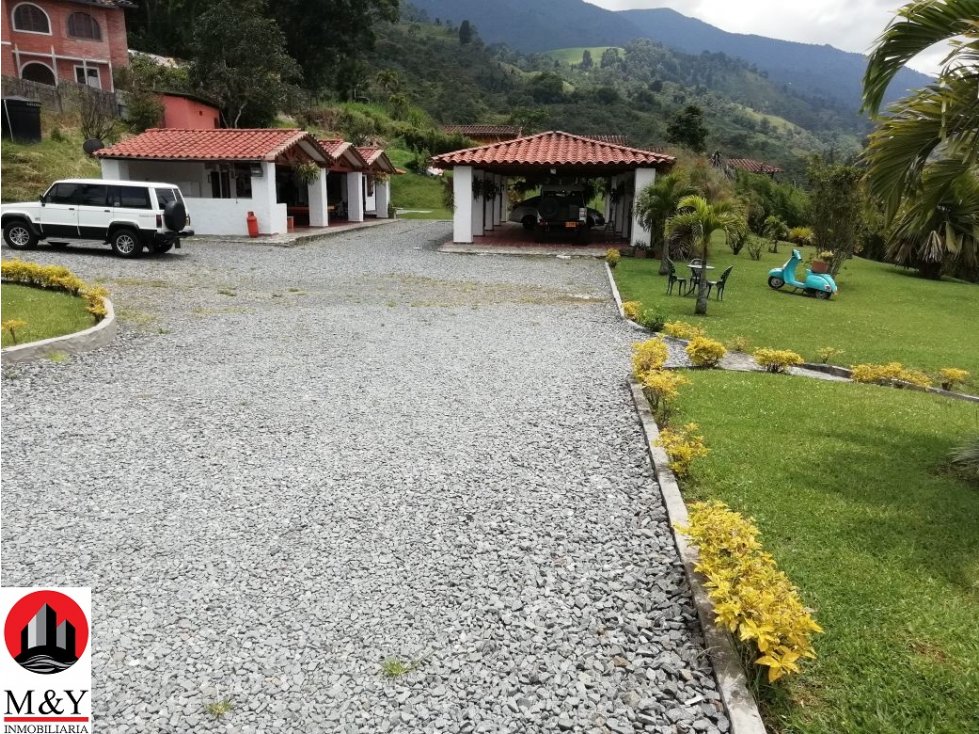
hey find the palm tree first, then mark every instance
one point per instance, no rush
(655, 204)
(926, 148)
(695, 223)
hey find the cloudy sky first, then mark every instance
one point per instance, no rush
(848, 24)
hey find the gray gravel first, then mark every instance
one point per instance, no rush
(294, 465)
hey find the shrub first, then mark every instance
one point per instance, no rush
(892, 373)
(739, 344)
(952, 376)
(705, 352)
(612, 257)
(965, 459)
(662, 386)
(56, 135)
(825, 354)
(755, 245)
(652, 320)
(802, 236)
(56, 277)
(777, 360)
(682, 330)
(751, 596)
(648, 356)
(632, 309)
(11, 326)
(682, 445)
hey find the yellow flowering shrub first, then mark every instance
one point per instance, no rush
(891, 373)
(682, 330)
(776, 360)
(827, 354)
(662, 386)
(682, 445)
(11, 326)
(612, 257)
(739, 344)
(648, 356)
(705, 352)
(952, 376)
(632, 309)
(752, 598)
(56, 277)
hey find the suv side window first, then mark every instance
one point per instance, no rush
(165, 196)
(64, 193)
(130, 197)
(92, 195)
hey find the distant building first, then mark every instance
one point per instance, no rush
(187, 112)
(484, 134)
(51, 41)
(730, 165)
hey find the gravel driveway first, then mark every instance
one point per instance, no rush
(294, 465)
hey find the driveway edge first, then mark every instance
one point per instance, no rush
(81, 341)
(742, 710)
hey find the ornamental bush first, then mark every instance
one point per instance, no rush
(682, 330)
(892, 373)
(632, 309)
(56, 277)
(705, 352)
(777, 360)
(652, 319)
(826, 354)
(950, 377)
(751, 596)
(648, 356)
(802, 236)
(662, 386)
(612, 257)
(682, 445)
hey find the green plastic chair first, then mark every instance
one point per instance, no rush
(674, 279)
(719, 283)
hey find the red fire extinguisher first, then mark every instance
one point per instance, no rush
(252, 224)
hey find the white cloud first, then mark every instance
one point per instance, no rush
(852, 25)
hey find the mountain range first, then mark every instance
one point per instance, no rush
(543, 25)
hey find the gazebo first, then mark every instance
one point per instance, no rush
(556, 156)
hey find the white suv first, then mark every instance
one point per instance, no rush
(129, 215)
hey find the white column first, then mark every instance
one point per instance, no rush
(264, 200)
(644, 177)
(355, 196)
(382, 193)
(462, 195)
(477, 205)
(115, 170)
(498, 202)
(621, 207)
(318, 213)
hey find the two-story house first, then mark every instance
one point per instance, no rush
(50, 41)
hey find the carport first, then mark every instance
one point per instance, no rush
(481, 175)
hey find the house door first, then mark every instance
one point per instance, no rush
(59, 215)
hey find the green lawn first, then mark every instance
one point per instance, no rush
(48, 313)
(845, 483)
(882, 313)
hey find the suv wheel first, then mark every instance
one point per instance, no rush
(19, 235)
(125, 243)
(529, 222)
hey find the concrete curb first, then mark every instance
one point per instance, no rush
(618, 302)
(81, 341)
(731, 681)
(287, 242)
(831, 369)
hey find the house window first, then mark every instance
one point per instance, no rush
(83, 25)
(29, 18)
(89, 76)
(37, 72)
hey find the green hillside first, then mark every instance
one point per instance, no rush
(574, 55)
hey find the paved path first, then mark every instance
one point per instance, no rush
(294, 465)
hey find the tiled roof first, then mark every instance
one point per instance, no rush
(746, 164)
(212, 145)
(553, 148)
(512, 130)
(613, 139)
(378, 160)
(341, 149)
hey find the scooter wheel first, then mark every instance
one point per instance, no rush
(823, 295)
(775, 283)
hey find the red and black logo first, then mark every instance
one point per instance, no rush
(46, 632)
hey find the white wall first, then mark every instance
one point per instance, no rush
(383, 191)
(318, 211)
(220, 216)
(462, 195)
(644, 177)
(355, 197)
(190, 176)
(370, 200)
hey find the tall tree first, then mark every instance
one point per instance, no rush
(321, 34)
(250, 87)
(687, 128)
(586, 60)
(695, 223)
(925, 150)
(836, 209)
(465, 32)
(655, 204)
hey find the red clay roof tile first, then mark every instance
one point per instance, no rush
(211, 145)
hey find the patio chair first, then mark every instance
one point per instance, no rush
(694, 278)
(719, 283)
(674, 279)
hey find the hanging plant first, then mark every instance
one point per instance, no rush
(490, 190)
(307, 173)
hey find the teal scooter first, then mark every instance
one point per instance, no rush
(820, 285)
